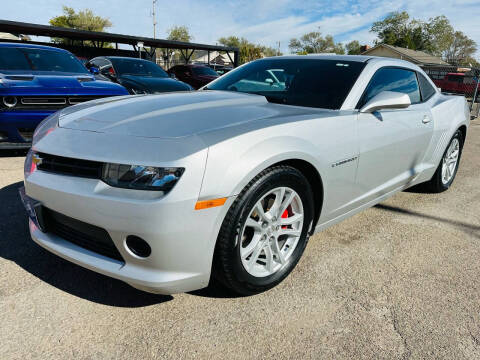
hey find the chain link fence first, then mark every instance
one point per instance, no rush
(459, 81)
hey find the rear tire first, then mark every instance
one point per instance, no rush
(447, 169)
(264, 232)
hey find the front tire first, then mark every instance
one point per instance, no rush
(265, 231)
(447, 169)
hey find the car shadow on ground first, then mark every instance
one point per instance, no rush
(13, 153)
(471, 229)
(17, 246)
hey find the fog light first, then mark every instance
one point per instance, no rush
(138, 246)
(10, 101)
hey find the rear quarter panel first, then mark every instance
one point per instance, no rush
(449, 113)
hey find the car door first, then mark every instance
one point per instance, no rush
(392, 142)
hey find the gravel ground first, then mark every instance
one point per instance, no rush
(401, 280)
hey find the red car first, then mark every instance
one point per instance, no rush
(458, 83)
(193, 74)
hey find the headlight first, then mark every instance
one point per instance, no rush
(29, 166)
(44, 128)
(141, 177)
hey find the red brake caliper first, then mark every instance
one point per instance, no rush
(286, 214)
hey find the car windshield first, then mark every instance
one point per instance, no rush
(137, 67)
(203, 70)
(28, 59)
(315, 83)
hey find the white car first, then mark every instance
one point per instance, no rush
(166, 191)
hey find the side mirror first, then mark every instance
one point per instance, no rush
(269, 81)
(94, 70)
(172, 75)
(387, 100)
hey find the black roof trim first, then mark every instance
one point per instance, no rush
(16, 27)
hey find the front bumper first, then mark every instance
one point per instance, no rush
(182, 239)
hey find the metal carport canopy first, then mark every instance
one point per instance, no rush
(16, 27)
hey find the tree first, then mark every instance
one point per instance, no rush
(460, 50)
(268, 51)
(314, 43)
(179, 33)
(435, 36)
(83, 20)
(247, 51)
(398, 29)
(440, 33)
(353, 48)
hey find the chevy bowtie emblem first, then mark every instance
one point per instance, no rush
(37, 160)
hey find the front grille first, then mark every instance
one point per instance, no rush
(43, 100)
(69, 166)
(89, 237)
(49, 102)
(72, 100)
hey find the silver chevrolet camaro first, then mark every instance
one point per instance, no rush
(167, 192)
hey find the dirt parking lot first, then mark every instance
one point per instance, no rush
(401, 280)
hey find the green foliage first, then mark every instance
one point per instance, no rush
(353, 48)
(314, 43)
(179, 33)
(248, 51)
(435, 36)
(460, 50)
(83, 20)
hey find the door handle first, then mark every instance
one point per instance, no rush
(426, 119)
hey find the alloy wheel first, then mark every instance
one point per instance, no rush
(450, 160)
(271, 232)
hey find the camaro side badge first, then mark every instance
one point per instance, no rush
(338, 163)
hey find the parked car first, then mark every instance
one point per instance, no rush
(220, 69)
(164, 191)
(137, 75)
(193, 74)
(36, 81)
(266, 80)
(458, 83)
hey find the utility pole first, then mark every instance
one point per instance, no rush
(154, 2)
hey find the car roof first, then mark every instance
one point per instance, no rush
(27, 45)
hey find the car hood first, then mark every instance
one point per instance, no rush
(154, 84)
(174, 115)
(60, 83)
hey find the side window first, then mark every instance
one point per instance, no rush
(455, 78)
(393, 79)
(426, 89)
(99, 63)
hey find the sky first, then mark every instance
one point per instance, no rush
(261, 21)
